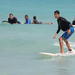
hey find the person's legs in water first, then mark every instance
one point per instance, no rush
(66, 36)
(68, 45)
(61, 45)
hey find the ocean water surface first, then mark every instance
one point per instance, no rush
(20, 45)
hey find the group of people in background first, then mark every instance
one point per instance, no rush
(13, 20)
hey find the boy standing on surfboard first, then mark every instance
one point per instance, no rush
(67, 28)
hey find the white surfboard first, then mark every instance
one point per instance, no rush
(74, 26)
(58, 54)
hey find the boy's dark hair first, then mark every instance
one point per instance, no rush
(57, 11)
(26, 15)
(11, 14)
(34, 17)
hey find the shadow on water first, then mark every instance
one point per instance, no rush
(43, 57)
(63, 66)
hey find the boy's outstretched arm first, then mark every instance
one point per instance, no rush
(55, 35)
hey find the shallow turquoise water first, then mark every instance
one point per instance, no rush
(20, 45)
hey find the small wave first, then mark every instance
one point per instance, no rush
(72, 44)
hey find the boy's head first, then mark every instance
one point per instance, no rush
(26, 17)
(11, 15)
(56, 14)
(34, 17)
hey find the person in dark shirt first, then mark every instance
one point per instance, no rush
(67, 28)
(12, 19)
(73, 23)
(35, 21)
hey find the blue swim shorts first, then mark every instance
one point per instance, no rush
(66, 35)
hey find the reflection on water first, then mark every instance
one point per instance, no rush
(63, 66)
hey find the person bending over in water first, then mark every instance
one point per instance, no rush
(67, 28)
(12, 19)
(35, 21)
(27, 20)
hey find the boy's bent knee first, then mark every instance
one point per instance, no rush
(60, 39)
